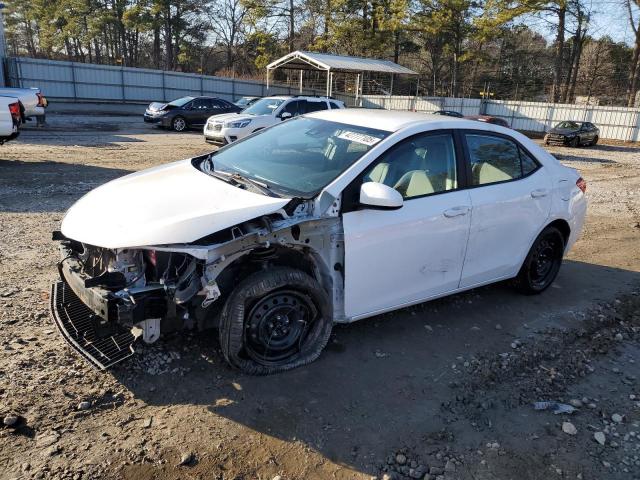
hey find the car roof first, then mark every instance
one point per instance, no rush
(313, 97)
(390, 120)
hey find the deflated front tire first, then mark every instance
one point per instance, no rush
(275, 320)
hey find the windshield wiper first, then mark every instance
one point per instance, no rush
(263, 187)
(235, 179)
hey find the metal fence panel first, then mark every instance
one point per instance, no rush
(88, 82)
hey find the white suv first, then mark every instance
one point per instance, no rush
(227, 128)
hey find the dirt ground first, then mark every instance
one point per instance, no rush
(443, 390)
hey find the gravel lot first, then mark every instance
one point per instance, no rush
(443, 390)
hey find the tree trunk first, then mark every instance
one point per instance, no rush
(571, 96)
(327, 21)
(156, 51)
(291, 26)
(632, 88)
(557, 66)
(168, 46)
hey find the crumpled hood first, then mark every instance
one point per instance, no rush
(172, 203)
(156, 106)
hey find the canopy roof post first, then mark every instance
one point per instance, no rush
(328, 80)
(300, 82)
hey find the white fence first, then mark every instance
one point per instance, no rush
(616, 123)
(70, 81)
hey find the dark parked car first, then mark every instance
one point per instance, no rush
(448, 113)
(573, 134)
(489, 119)
(244, 102)
(187, 112)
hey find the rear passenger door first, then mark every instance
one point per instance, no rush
(510, 200)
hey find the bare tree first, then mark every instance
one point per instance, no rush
(227, 23)
(634, 66)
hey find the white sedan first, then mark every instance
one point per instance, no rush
(331, 217)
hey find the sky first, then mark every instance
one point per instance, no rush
(609, 17)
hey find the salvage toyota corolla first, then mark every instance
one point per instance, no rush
(327, 218)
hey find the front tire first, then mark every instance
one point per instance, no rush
(275, 320)
(542, 264)
(179, 124)
(575, 142)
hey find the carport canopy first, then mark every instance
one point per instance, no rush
(300, 60)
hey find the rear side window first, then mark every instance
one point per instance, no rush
(316, 106)
(219, 103)
(496, 159)
(528, 163)
(296, 107)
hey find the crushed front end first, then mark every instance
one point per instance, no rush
(107, 299)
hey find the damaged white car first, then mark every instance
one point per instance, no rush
(331, 217)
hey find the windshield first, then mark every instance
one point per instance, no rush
(180, 102)
(266, 106)
(298, 157)
(571, 125)
(241, 102)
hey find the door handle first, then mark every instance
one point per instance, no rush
(541, 192)
(456, 211)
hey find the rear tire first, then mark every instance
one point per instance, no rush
(542, 264)
(594, 141)
(179, 124)
(275, 320)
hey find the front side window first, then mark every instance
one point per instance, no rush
(496, 159)
(201, 104)
(298, 157)
(418, 166)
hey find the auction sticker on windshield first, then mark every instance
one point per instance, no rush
(359, 138)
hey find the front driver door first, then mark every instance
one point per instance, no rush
(404, 256)
(200, 111)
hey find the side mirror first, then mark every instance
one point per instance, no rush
(285, 115)
(380, 196)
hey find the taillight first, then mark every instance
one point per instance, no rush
(41, 99)
(581, 184)
(14, 108)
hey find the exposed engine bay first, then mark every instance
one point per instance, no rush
(132, 294)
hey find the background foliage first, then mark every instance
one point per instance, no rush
(459, 47)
